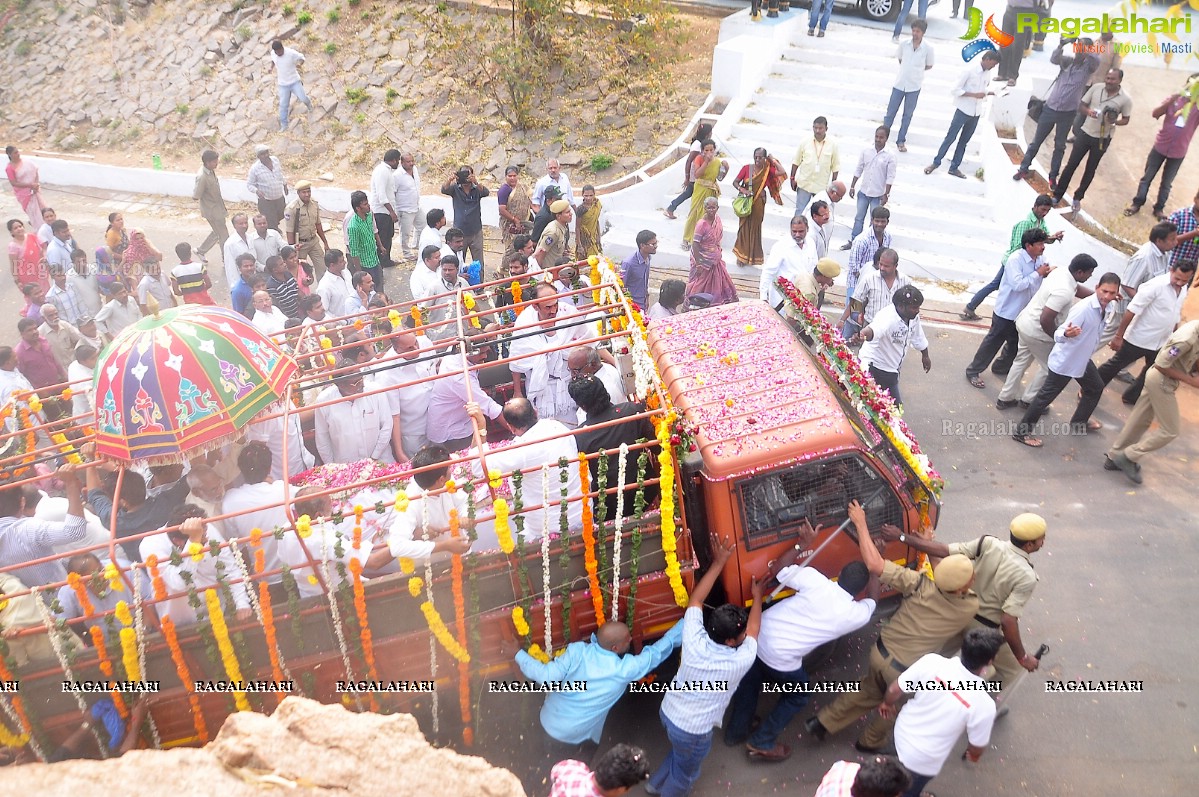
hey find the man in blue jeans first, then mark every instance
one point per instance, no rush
(287, 62)
(903, 16)
(1061, 104)
(876, 171)
(969, 92)
(915, 58)
(818, 13)
(723, 652)
(1040, 209)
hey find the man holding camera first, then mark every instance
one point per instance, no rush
(1061, 103)
(464, 189)
(1105, 107)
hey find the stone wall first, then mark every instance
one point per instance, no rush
(305, 747)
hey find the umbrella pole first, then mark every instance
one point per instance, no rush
(287, 507)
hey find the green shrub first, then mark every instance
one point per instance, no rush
(356, 96)
(333, 15)
(304, 17)
(601, 162)
(288, 9)
(181, 109)
(330, 48)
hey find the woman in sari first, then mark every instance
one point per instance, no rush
(115, 237)
(706, 172)
(25, 257)
(708, 272)
(134, 256)
(702, 134)
(515, 208)
(590, 225)
(26, 185)
(765, 173)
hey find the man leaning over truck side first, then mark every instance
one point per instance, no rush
(722, 652)
(933, 611)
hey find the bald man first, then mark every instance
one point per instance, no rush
(604, 664)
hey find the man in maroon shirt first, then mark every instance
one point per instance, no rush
(1169, 149)
(36, 360)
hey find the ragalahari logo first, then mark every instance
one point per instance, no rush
(977, 46)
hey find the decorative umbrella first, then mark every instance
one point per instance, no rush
(184, 381)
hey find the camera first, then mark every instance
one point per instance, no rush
(1110, 115)
(464, 174)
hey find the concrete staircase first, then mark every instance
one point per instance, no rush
(946, 229)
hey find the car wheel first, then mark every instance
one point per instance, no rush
(884, 10)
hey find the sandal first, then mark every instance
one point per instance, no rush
(668, 214)
(929, 169)
(1028, 440)
(901, 147)
(976, 381)
(1132, 210)
(1094, 425)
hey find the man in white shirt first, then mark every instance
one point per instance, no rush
(287, 62)
(237, 244)
(423, 527)
(408, 366)
(1151, 260)
(877, 288)
(264, 242)
(586, 361)
(823, 211)
(272, 432)
(950, 697)
(539, 370)
(259, 503)
(1036, 324)
(79, 374)
(554, 177)
(306, 555)
(120, 311)
(431, 234)
(888, 336)
(382, 199)
(876, 172)
(1074, 343)
(196, 533)
(407, 204)
(1151, 317)
(789, 257)
(819, 612)
(969, 92)
(358, 427)
(336, 287)
(62, 337)
(426, 276)
(915, 58)
(67, 297)
(529, 451)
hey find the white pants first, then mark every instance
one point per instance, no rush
(412, 223)
(1031, 348)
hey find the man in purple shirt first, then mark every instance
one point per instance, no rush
(35, 358)
(1169, 149)
(450, 411)
(634, 270)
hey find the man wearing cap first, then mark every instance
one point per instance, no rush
(265, 180)
(933, 611)
(302, 225)
(792, 257)
(887, 337)
(1005, 581)
(554, 242)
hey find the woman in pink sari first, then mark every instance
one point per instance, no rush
(26, 185)
(25, 257)
(708, 272)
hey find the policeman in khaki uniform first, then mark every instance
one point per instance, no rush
(1175, 363)
(1004, 580)
(302, 225)
(932, 612)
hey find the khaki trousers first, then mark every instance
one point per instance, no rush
(848, 708)
(1156, 403)
(314, 253)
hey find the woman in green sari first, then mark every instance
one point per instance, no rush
(706, 172)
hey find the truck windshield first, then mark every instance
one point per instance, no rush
(773, 505)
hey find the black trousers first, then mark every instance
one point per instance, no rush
(1055, 383)
(1011, 56)
(1003, 335)
(887, 381)
(1128, 355)
(387, 231)
(1085, 146)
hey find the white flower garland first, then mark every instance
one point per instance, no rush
(56, 644)
(335, 612)
(424, 519)
(139, 630)
(545, 560)
(255, 604)
(12, 715)
(645, 373)
(622, 463)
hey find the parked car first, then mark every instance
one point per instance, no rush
(886, 10)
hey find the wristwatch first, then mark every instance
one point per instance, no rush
(903, 538)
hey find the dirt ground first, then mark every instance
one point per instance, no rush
(1121, 169)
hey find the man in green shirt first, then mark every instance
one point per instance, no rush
(1040, 209)
(362, 241)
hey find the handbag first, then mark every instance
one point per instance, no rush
(1036, 105)
(744, 205)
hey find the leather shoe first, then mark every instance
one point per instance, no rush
(813, 726)
(861, 748)
(1000, 404)
(1022, 404)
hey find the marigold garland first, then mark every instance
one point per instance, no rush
(519, 622)
(460, 621)
(368, 647)
(674, 573)
(75, 582)
(113, 574)
(69, 452)
(536, 652)
(589, 560)
(415, 585)
(129, 654)
(442, 633)
(503, 527)
(216, 617)
(106, 667)
(18, 707)
(122, 613)
(268, 617)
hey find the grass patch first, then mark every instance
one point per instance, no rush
(356, 96)
(330, 48)
(182, 109)
(601, 162)
(333, 15)
(304, 17)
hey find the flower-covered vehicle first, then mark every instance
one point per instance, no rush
(756, 426)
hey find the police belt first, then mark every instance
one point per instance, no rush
(307, 240)
(985, 621)
(896, 663)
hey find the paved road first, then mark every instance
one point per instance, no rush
(1116, 579)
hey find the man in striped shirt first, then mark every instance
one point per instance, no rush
(24, 539)
(880, 776)
(1187, 225)
(719, 656)
(1040, 209)
(283, 288)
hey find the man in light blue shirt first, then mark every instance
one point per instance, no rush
(577, 717)
(1074, 343)
(1022, 275)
